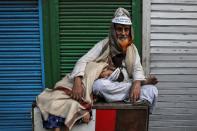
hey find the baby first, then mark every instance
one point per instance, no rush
(117, 75)
(112, 74)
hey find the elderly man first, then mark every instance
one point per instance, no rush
(119, 51)
(71, 98)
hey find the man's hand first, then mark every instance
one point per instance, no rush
(77, 90)
(135, 91)
(151, 80)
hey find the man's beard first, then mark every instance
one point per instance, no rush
(124, 42)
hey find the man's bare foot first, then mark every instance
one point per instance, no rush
(86, 118)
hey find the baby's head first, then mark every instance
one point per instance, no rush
(106, 73)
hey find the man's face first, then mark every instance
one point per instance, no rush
(122, 31)
(123, 35)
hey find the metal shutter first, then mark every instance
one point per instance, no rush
(21, 77)
(172, 45)
(81, 25)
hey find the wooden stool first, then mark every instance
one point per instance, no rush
(121, 117)
(106, 117)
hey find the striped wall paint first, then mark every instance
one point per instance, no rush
(21, 67)
(170, 52)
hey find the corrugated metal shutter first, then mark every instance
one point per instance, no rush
(83, 24)
(173, 51)
(20, 62)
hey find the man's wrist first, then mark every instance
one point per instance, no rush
(77, 78)
(137, 82)
(77, 81)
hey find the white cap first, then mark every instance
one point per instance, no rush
(122, 20)
(122, 16)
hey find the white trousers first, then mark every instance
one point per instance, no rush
(119, 91)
